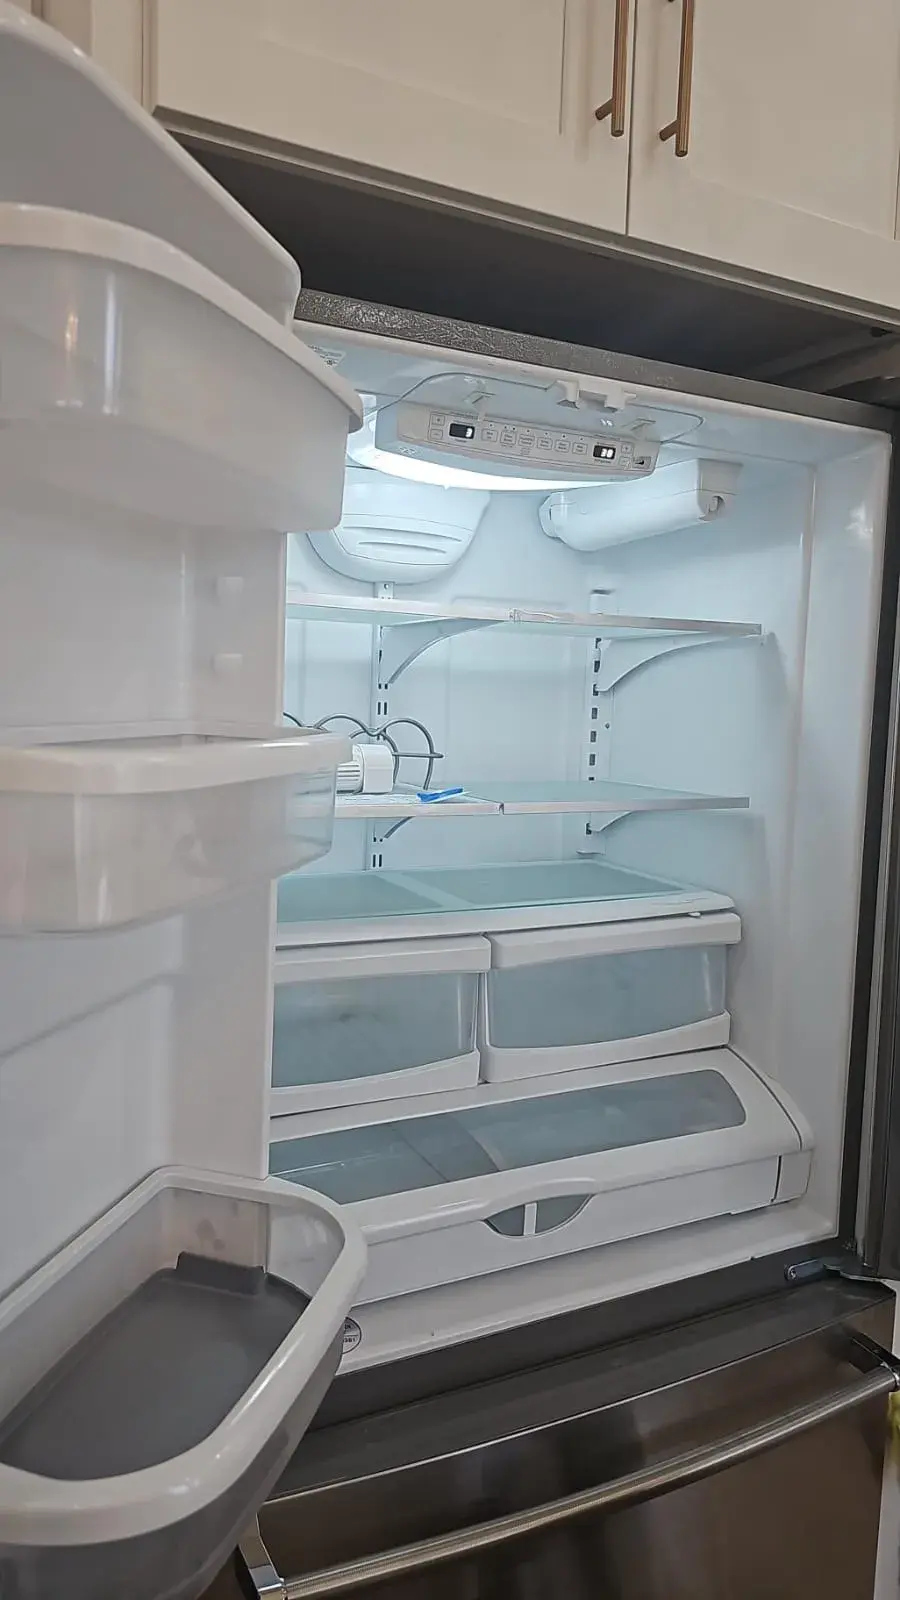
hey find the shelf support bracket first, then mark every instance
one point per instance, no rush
(600, 821)
(401, 645)
(620, 657)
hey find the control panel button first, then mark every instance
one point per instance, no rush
(562, 446)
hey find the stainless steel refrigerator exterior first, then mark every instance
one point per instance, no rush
(736, 1454)
(724, 1435)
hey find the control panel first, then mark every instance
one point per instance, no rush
(505, 445)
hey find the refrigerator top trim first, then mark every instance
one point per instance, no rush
(397, 323)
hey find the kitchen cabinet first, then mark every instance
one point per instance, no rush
(110, 31)
(789, 134)
(494, 98)
(790, 115)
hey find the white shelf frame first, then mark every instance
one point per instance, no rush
(409, 628)
(595, 796)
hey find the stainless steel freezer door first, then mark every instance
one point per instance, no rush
(782, 1402)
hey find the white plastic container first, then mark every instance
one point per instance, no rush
(676, 496)
(95, 835)
(398, 532)
(449, 1187)
(241, 1384)
(136, 380)
(556, 999)
(361, 1022)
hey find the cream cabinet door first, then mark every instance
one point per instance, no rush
(493, 98)
(793, 138)
(109, 30)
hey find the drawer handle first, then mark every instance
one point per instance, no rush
(690, 1466)
(680, 129)
(614, 107)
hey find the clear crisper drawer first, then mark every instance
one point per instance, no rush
(155, 1377)
(393, 1157)
(95, 835)
(503, 1174)
(561, 998)
(357, 1023)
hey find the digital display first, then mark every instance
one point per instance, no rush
(605, 452)
(461, 430)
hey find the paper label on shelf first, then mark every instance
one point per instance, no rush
(367, 803)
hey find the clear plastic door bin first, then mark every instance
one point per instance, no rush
(94, 835)
(155, 1377)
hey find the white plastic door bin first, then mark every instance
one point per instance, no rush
(356, 1023)
(562, 998)
(448, 1188)
(99, 834)
(150, 1523)
(135, 381)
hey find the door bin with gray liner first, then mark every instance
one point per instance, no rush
(155, 1377)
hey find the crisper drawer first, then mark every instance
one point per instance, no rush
(356, 1023)
(446, 1188)
(560, 998)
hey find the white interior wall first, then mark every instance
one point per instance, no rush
(722, 717)
(788, 723)
(501, 705)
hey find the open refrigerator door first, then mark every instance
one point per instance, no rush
(169, 1315)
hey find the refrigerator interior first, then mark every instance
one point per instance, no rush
(770, 723)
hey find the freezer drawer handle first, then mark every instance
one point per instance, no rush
(647, 1482)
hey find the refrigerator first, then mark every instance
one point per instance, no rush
(550, 1095)
(587, 1017)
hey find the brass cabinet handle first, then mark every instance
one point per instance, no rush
(614, 107)
(680, 129)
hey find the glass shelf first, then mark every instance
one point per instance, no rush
(327, 908)
(535, 798)
(412, 627)
(305, 607)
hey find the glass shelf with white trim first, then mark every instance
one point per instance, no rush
(532, 798)
(413, 626)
